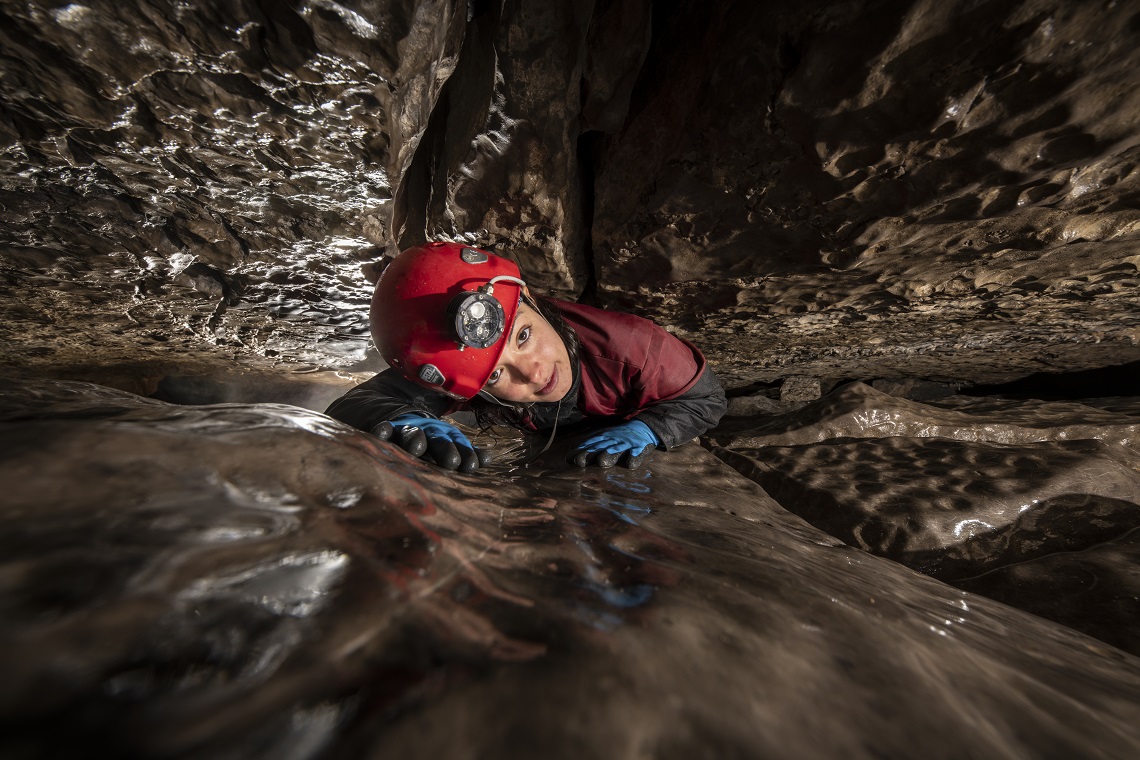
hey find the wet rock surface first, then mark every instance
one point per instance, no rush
(927, 197)
(260, 581)
(1034, 503)
(188, 185)
(851, 190)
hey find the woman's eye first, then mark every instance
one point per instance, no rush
(494, 378)
(524, 335)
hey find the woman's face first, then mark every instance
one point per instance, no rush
(535, 365)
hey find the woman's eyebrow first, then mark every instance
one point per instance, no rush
(515, 326)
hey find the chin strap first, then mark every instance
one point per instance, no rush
(553, 430)
(488, 397)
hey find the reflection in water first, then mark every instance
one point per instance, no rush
(259, 581)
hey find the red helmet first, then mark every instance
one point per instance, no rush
(440, 312)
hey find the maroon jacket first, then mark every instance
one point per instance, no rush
(628, 363)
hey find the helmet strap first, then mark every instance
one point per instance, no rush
(487, 396)
(553, 430)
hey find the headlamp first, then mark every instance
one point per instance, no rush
(478, 319)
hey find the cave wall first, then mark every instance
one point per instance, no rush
(810, 191)
(836, 190)
(944, 190)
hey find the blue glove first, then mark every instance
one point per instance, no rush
(631, 442)
(444, 442)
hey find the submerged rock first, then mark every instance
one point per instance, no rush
(261, 581)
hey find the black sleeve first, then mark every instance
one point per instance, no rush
(385, 396)
(681, 419)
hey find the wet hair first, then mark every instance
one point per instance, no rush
(490, 413)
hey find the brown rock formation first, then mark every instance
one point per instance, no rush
(838, 190)
(926, 195)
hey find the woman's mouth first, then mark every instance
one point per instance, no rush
(550, 386)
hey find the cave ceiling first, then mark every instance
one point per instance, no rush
(840, 190)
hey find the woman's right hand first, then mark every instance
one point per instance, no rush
(444, 443)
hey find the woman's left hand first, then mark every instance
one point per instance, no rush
(630, 443)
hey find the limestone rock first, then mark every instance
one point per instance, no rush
(840, 189)
(914, 389)
(1030, 502)
(798, 388)
(245, 579)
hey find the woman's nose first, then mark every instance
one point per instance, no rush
(534, 372)
(525, 370)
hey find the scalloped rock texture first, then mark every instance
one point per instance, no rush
(258, 580)
(944, 191)
(924, 195)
